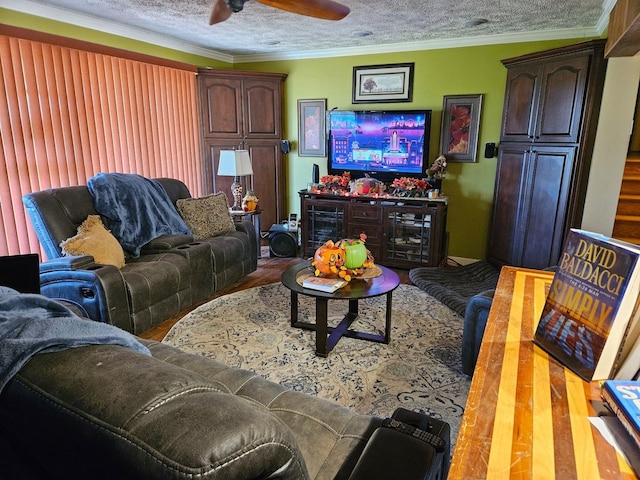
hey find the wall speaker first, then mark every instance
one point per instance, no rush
(490, 150)
(315, 174)
(282, 242)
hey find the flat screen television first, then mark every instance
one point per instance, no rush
(382, 144)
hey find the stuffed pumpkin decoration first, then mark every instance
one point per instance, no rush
(330, 259)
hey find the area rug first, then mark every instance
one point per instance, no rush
(420, 369)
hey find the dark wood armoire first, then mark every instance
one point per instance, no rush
(242, 110)
(551, 108)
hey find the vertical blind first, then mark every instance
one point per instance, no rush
(67, 114)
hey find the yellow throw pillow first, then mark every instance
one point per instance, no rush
(95, 240)
(207, 216)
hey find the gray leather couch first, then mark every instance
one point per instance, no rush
(109, 412)
(172, 273)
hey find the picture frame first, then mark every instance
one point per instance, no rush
(460, 127)
(383, 83)
(311, 127)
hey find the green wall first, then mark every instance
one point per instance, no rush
(455, 71)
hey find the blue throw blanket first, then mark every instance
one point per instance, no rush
(137, 209)
(31, 324)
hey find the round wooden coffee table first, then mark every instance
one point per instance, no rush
(327, 337)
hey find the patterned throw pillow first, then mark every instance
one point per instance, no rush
(207, 216)
(95, 240)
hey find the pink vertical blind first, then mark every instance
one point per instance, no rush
(67, 114)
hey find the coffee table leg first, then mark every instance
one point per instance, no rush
(387, 327)
(353, 308)
(321, 327)
(294, 308)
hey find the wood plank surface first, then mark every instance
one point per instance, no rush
(526, 415)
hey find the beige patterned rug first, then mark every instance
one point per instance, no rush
(419, 369)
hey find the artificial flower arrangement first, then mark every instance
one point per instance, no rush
(249, 202)
(346, 259)
(336, 183)
(410, 187)
(439, 167)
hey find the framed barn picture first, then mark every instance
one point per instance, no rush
(383, 83)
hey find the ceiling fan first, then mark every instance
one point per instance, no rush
(325, 9)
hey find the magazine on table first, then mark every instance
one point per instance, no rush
(323, 284)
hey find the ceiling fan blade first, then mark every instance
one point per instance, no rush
(325, 9)
(220, 12)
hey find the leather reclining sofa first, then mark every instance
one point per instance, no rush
(108, 411)
(172, 273)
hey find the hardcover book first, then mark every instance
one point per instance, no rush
(623, 399)
(323, 284)
(590, 310)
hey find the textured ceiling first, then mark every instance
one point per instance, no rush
(372, 25)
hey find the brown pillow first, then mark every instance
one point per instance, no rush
(207, 216)
(95, 240)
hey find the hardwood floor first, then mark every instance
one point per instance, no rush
(269, 271)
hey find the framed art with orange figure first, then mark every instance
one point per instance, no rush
(311, 128)
(460, 127)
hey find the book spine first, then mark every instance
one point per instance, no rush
(622, 414)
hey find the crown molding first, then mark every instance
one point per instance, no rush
(603, 22)
(102, 25)
(428, 45)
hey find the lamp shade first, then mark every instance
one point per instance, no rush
(234, 163)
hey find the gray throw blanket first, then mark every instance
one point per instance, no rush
(31, 324)
(137, 209)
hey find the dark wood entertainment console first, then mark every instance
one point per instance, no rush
(401, 232)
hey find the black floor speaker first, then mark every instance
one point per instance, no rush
(282, 242)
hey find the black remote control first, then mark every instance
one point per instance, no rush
(432, 439)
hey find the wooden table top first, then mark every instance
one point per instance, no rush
(526, 415)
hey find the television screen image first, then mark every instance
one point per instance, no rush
(382, 144)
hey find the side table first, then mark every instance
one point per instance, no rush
(253, 217)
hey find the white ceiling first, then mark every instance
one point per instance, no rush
(260, 32)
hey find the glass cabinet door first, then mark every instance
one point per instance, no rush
(408, 234)
(324, 221)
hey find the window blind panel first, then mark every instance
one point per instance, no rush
(67, 114)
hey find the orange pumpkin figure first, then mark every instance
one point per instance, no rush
(328, 259)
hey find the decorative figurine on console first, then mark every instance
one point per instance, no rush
(439, 167)
(367, 186)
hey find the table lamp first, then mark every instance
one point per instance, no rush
(235, 163)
